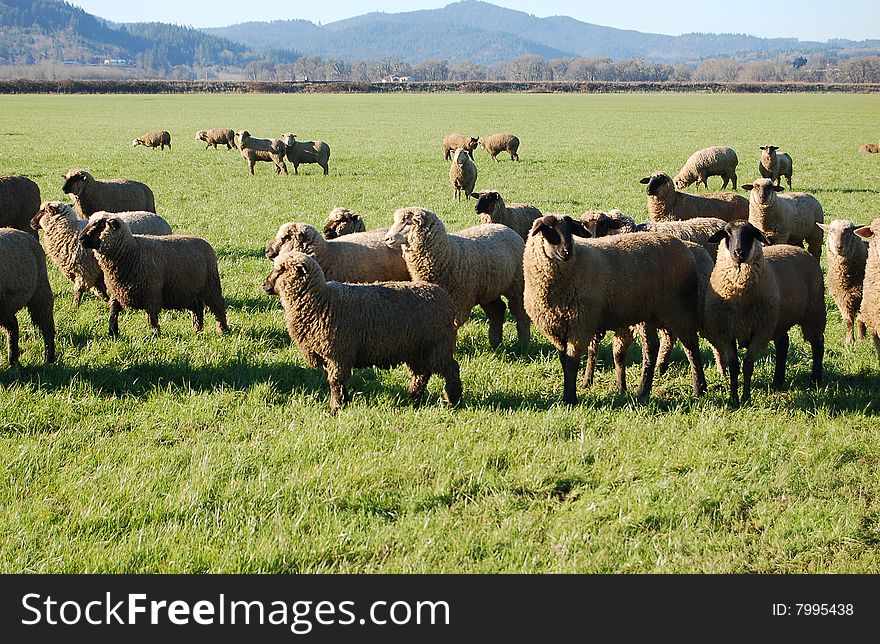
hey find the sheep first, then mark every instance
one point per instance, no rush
(62, 228)
(716, 161)
(462, 174)
(91, 195)
(497, 143)
(253, 149)
(869, 148)
(697, 230)
(358, 257)
(151, 273)
(603, 223)
(574, 289)
(665, 203)
(789, 218)
(847, 254)
(343, 221)
(19, 202)
(299, 152)
(453, 141)
(158, 139)
(774, 166)
(338, 327)
(870, 308)
(476, 265)
(222, 135)
(24, 282)
(491, 208)
(757, 294)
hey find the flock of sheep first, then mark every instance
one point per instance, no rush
(730, 269)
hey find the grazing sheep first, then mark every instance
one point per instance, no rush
(222, 135)
(574, 289)
(338, 327)
(492, 210)
(152, 273)
(870, 309)
(603, 223)
(453, 141)
(158, 139)
(847, 254)
(462, 174)
(92, 195)
(697, 230)
(869, 148)
(757, 294)
(62, 229)
(299, 152)
(343, 221)
(476, 265)
(24, 282)
(665, 203)
(717, 161)
(774, 166)
(497, 143)
(19, 202)
(253, 149)
(358, 257)
(789, 218)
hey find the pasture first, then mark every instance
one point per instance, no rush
(202, 453)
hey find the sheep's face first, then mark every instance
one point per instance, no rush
(52, 211)
(840, 236)
(74, 182)
(763, 192)
(99, 229)
(292, 272)
(487, 203)
(201, 135)
(409, 222)
(137, 142)
(288, 139)
(460, 156)
(768, 154)
(472, 144)
(295, 236)
(557, 234)
(870, 234)
(741, 241)
(343, 221)
(600, 224)
(659, 185)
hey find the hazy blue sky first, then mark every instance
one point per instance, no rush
(805, 19)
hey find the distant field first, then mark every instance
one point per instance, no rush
(204, 453)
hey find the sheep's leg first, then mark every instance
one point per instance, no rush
(862, 330)
(523, 321)
(570, 363)
(650, 347)
(337, 377)
(849, 331)
(418, 381)
(326, 168)
(40, 310)
(723, 183)
(817, 346)
(77, 296)
(623, 339)
(115, 309)
(452, 379)
(217, 306)
(732, 362)
(153, 319)
(691, 346)
(10, 325)
(667, 341)
(495, 312)
(734, 180)
(198, 317)
(251, 165)
(781, 342)
(876, 339)
(592, 354)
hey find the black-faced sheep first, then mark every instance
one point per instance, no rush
(491, 208)
(665, 203)
(477, 265)
(339, 327)
(869, 312)
(869, 148)
(158, 139)
(716, 161)
(217, 135)
(92, 195)
(774, 165)
(757, 294)
(788, 218)
(847, 254)
(253, 149)
(24, 282)
(603, 223)
(462, 174)
(151, 273)
(299, 152)
(19, 202)
(343, 221)
(453, 141)
(495, 144)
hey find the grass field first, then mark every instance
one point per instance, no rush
(189, 453)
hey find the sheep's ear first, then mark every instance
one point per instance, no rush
(824, 227)
(645, 180)
(778, 188)
(774, 147)
(417, 218)
(864, 232)
(113, 223)
(355, 217)
(761, 237)
(301, 270)
(616, 223)
(762, 147)
(718, 236)
(576, 228)
(547, 231)
(747, 187)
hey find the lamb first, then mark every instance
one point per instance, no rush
(19, 202)
(665, 203)
(757, 294)
(338, 327)
(716, 161)
(497, 143)
(870, 309)
(62, 229)
(603, 223)
(359, 257)
(847, 254)
(869, 148)
(24, 282)
(462, 174)
(774, 166)
(91, 195)
(476, 265)
(158, 139)
(492, 210)
(343, 221)
(574, 289)
(299, 152)
(222, 135)
(789, 218)
(152, 273)
(453, 141)
(253, 149)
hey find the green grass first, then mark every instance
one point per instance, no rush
(204, 453)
